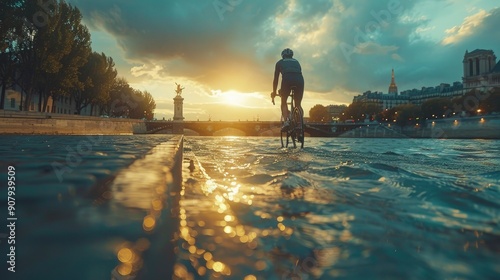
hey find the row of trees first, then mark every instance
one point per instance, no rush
(45, 50)
(319, 113)
(471, 104)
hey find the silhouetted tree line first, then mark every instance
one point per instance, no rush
(45, 50)
(473, 103)
(319, 113)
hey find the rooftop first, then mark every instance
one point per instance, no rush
(478, 51)
(496, 69)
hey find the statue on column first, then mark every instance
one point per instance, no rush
(179, 89)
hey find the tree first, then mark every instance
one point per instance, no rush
(120, 99)
(484, 101)
(10, 26)
(149, 105)
(96, 78)
(145, 105)
(125, 101)
(361, 110)
(407, 114)
(6, 74)
(45, 49)
(319, 113)
(387, 115)
(492, 102)
(66, 42)
(19, 61)
(8, 19)
(26, 63)
(436, 108)
(48, 54)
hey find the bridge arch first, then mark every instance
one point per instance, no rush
(255, 128)
(229, 131)
(234, 128)
(190, 132)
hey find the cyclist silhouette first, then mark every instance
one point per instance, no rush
(291, 76)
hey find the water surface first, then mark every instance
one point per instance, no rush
(341, 209)
(338, 209)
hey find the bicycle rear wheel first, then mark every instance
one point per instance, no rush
(298, 127)
(283, 135)
(287, 137)
(284, 139)
(291, 135)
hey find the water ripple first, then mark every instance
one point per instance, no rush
(349, 208)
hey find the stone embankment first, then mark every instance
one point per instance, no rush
(480, 127)
(373, 131)
(13, 122)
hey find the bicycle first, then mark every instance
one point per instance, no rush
(295, 131)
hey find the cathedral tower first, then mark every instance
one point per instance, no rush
(478, 66)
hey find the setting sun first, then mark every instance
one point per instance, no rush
(233, 97)
(236, 98)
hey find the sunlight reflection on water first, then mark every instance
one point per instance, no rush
(321, 213)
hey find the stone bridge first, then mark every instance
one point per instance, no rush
(249, 128)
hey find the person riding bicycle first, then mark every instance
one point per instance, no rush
(291, 75)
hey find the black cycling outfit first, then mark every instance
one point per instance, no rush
(291, 75)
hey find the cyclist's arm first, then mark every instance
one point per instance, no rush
(277, 71)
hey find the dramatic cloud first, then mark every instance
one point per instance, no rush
(469, 26)
(345, 46)
(144, 70)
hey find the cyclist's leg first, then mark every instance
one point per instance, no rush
(298, 95)
(285, 93)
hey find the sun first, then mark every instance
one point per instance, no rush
(237, 99)
(234, 98)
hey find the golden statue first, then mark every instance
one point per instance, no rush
(179, 89)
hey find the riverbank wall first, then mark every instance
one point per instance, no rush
(479, 127)
(13, 122)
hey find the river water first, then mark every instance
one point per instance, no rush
(337, 209)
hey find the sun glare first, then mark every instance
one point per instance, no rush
(233, 98)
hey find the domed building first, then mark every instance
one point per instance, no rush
(481, 72)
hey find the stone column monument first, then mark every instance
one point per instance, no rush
(178, 103)
(178, 128)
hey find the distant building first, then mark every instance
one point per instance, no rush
(386, 101)
(15, 97)
(335, 111)
(481, 71)
(393, 88)
(12, 99)
(419, 96)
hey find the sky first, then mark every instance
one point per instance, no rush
(223, 52)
